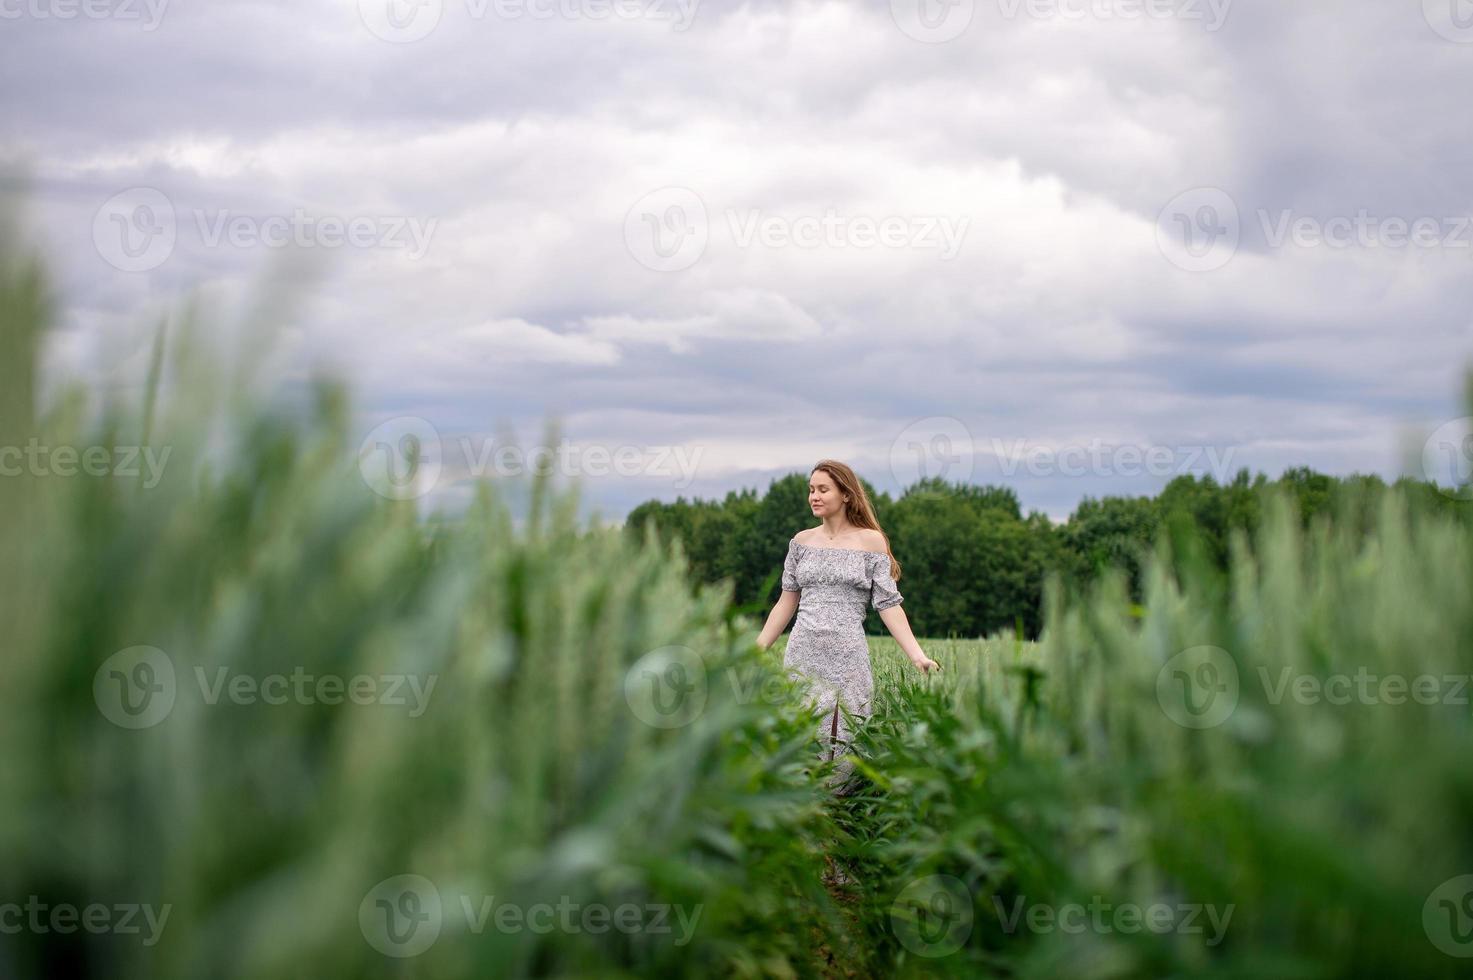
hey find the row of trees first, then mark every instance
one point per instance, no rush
(972, 563)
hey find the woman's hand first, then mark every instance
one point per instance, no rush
(925, 664)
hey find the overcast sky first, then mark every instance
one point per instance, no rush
(1074, 247)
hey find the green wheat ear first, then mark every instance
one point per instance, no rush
(528, 775)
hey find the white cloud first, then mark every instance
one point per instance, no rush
(516, 341)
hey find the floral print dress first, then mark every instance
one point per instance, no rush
(827, 648)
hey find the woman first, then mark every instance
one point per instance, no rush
(831, 572)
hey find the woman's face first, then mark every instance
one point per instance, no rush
(823, 495)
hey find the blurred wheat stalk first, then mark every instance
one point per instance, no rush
(527, 775)
(1286, 747)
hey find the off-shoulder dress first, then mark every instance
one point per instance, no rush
(826, 648)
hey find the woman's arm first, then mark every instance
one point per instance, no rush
(778, 619)
(898, 624)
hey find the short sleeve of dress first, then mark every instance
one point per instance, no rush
(883, 593)
(790, 569)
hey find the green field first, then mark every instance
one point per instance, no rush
(262, 722)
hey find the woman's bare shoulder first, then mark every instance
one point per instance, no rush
(862, 539)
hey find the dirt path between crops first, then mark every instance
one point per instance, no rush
(845, 964)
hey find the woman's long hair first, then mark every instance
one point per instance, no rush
(858, 510)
